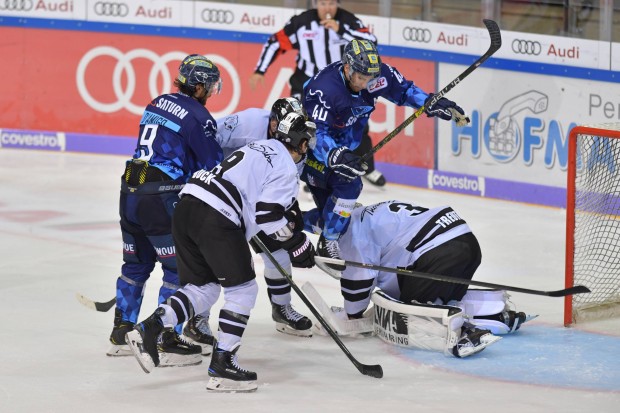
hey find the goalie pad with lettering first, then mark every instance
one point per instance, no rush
(428, 326)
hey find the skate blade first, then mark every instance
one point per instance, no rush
(286, 329)
(134, 341)
(179, 360)
(222, 385)
(119, 351)
(485, 341)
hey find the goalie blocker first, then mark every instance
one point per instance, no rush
(426, 326)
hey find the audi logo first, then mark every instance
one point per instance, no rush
(217, 16)
(124, 78)
(530, 47)
(16, 5)
(103, 8)
(415, 34)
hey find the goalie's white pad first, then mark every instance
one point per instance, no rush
(427, 326)
(337, 318)
(490, 309)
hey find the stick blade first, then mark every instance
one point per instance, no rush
(494, 33)
(94, 305)
(375, 370)
(578, 289)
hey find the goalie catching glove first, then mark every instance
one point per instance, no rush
(345, 163)
(445, 109)
(300, 250)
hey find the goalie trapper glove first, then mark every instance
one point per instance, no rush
(300, 250)
(445, 109)
(345, 163)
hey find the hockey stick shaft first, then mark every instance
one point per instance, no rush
(496, 43)
(96, 305)
(578, 289)
(368, 370)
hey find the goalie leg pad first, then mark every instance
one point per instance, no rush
(424, 326)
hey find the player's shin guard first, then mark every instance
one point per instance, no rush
(426, 326)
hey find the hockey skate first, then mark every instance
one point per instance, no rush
(330, 249)
(225, 374)
(174, 351)
(197, 331)
(472, 341)
(289, 321)
(142, 340)
(376, 178)
(117, 337)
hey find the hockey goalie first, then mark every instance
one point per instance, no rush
(410, 311)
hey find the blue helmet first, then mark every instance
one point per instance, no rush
(197, 69)
(363, 57)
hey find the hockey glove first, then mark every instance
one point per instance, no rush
(294, 217)
(345, 163)
(300, 250)
(446, 109)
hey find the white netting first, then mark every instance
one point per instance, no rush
(596, 258)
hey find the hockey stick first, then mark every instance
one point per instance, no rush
(367, 370)
(496, 43)
(578, 289)
(95, 305)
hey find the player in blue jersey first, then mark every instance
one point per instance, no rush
(340, 99)
(177, 137)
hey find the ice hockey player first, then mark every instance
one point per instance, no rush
(340, 99)
(416, 312)
(176, 138)
(239, 129)
(219, 211)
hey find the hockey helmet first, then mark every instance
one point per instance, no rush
(362, 56)
(294, 129)
(196, 69)
(284, 106)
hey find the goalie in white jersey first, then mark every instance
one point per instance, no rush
(417, 312)
(220, 210)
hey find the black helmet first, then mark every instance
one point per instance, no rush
(294, 129)
(197, 69)
(363, 57)
(284, 106)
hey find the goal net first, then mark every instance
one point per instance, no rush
(593, 222)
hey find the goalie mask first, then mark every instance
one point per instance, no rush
(197, 69)
(293, 130)
(362, 56)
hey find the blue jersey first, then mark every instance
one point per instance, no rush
(341, 115)
(178, 136)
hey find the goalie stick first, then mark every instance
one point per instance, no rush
(367, 370)
(95, 305)
(496, 43)
(577, 289)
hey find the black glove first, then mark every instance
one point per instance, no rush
(345, 163)
(295, 218)
(446, 109)
(300, 250)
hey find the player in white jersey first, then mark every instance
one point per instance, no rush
(436, 240)
(233, 132)
(220, 210)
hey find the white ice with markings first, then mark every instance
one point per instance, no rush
(59, 235)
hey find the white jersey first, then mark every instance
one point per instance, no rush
(239, 129)
(392, 234)
(252, 187)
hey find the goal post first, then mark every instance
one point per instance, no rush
(593, 222)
